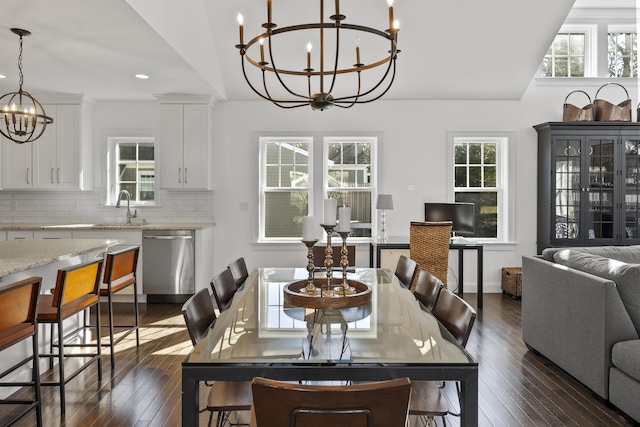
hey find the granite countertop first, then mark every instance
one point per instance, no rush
(137, 225)
(21, 255)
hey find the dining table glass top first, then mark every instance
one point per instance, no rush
(260, 328)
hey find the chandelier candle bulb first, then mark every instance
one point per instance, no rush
(390, 3)
(240, 21)
(344, 215)
(357, 50)
(330, 206)
(261, 49)
(337, 7)
(269, 11)
(309, 56)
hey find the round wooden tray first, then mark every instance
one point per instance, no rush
(328, 297)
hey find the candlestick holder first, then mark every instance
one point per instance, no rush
(310, 288)
(328, 251)
(344, 259)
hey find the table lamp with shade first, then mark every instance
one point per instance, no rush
(385, 202)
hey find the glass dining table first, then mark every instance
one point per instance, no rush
(390, 337)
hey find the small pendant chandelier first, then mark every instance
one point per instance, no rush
(289, 87)
(22, 118)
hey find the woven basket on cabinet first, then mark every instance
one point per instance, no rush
(429, 247)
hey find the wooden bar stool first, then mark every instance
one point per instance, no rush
(18, 304)
(120, 273)
(76, 290)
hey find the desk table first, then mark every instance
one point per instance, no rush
(390, 337)
(401, 243)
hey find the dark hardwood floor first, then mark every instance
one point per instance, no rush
(517, 388)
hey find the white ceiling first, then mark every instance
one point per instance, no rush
(462, 49)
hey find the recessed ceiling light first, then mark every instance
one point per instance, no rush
(142, 76)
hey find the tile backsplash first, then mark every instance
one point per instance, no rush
(88, 206)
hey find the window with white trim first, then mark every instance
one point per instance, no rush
(622, 49)
(567, 55)
(132, 167)
(479, 177)
(349, 178)
(345, 169)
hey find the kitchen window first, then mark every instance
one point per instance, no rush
(345, 171)
(133, 168)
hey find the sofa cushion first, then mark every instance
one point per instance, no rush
(626, 276)
(630, 254)
(625, 356)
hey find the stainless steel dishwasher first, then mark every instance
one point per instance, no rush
(168, 263)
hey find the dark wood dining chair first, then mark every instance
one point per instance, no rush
(18, 305)
(372, 404)
(458, 317)
(120, 273)
(224, 397)
(427, 289)
(239, 271)
(224, 288)
(406, 270)
(76, 290)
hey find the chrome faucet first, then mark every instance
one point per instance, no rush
(128, 196)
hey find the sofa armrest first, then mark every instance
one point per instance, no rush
(573, 318)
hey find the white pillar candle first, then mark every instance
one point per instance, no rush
(344, 215)
(330, 211)
(308, 229)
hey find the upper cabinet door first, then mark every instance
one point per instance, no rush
(44, 153)
(196, 146)
(184, 146)
(17, 172)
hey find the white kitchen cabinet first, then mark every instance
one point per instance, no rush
(52, 234)
(19, 235)
(184, 146)
(58, 160)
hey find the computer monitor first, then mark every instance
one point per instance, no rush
(462, 216)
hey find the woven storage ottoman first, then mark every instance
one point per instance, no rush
(512, 281)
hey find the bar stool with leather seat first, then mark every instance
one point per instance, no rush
(239, 271)
(224, 396)
(120, 273)
(76, 290)
(18, 305)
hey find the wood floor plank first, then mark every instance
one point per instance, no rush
(516, 387)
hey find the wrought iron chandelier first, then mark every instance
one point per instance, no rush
(22, 118)
(289, 87)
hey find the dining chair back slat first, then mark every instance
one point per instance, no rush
(406, 270)
(455, 314)
(427, 289)
(224, 288)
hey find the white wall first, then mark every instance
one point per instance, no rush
(412, 153)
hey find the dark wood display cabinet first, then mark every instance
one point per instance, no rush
(588, 184)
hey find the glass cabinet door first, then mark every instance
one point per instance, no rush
(600, 215)
(568, 188)
(631, 171)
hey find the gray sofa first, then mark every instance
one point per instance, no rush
(581, 310)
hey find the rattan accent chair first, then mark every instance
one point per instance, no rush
(429, 247)
(372, 404)
(18, 305)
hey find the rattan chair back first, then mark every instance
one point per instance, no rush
(429, 247)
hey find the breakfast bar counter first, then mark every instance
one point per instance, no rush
(25, 256)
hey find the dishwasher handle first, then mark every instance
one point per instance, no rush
(168, 237)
